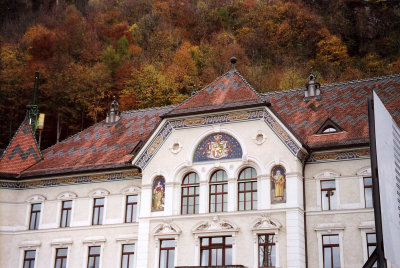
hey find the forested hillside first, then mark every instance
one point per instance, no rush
(157, 52)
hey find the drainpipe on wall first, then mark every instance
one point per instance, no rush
(304, 208)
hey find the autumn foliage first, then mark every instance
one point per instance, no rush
(158, 52)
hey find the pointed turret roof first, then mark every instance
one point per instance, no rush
(22, 152)
(229, 91)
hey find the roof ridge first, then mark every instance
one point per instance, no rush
(147, 109)
(333, 84)
(247, 83)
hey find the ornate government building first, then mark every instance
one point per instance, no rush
(229, 177)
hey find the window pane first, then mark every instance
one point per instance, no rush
(228, 240)
(371, 238)
(325, 200)
(94, 250)
(204, 257)
(368, 198)
(62, 252)
(67, 224)
(96, 216)
(367, 181)
(63, 218)
(131, 260)
(167, 243)
(58, 263)
(91, 262)
(328, 184)
(333, 199)
(204, 241)
(36, 207)
(132, 198)
(228, 256)
(171, 254)
(30, 254)
(129, 248)
(124, 261)
(101, 215)
(32, 223)
(67, 204)
(216, 240)
(163, 259)
(129, 213)
(327, 258)
(241, 205)
(336, 257)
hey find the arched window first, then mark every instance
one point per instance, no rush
(190, 194)
(247, 193)
(219, 191)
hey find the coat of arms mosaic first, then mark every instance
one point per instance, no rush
(217, 147)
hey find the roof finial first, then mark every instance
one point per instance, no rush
(312, 87)
(113, 115)
(233, 61)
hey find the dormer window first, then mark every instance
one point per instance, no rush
(329, 127)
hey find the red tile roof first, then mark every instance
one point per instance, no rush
(22, 152)
(230, 90)
(343, 103)
(100, 146)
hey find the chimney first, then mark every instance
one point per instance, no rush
(113, 115)
(312, 87)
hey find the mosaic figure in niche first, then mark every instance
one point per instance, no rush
(278, 184)
(158, 195)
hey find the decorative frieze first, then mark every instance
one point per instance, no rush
(363, 153)
(18, 185)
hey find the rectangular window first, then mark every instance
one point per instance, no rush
(167, 253)
(330, 247)
(190, 199)
(98, 210)
(371, 245)
(128, 254)
(61, 258)
(66, 213)
(216, 251)
(35, 216)
(131, 208)
(29, 258)
(218, 197)
(247, 195)
(266, 251)
(368, 192)
(328, 195)
(94, 257)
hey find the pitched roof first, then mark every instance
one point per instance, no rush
(228, 91)
(101, 145)
(22, 152)
(343, 103)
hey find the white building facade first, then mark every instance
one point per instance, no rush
(228, 178)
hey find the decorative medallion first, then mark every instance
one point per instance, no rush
(157, 200)
(278, 184)
(217, 147)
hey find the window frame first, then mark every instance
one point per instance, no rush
(274, 244)
(132, 204)
(329, 197)
(67, 222)
(128, 254)
(245, 181)
(37, 219)
(224, 194)
(211, 246)
(63, 258)
(331, 246)
(100, 207)
(168, 249)
(30, 259)
(94, 255)
(365, 195)
(188, 196)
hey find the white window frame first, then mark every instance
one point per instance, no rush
(28, 245)
(329, 229)
(366, 228)
(60, 243)
(66, 196)
(262, 226)
(98, 193)
(95, 241)
(165, 231)
(124, 240)
(324, 176)
(130, 190)
(35, 199)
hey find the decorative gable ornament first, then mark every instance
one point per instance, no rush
(99, 193)
(36, 199)
(266, 222)
(131, 190)
(215, 225)
(67, 196)
(167, 229)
